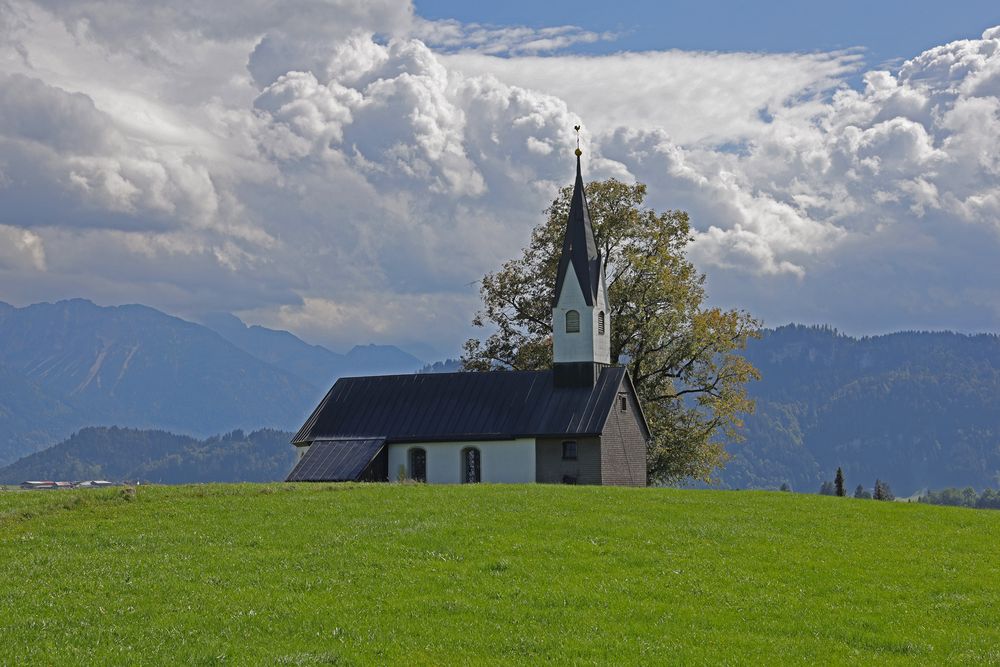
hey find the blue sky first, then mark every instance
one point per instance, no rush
(888, 30)
(349, 169)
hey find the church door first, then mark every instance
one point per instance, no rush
(470, 466)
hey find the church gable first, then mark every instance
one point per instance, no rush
(623, 440)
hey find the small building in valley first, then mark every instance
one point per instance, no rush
(36, 485)
(579, 422)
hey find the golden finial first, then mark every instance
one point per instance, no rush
(578, 151)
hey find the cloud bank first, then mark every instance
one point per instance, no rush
(348, 170)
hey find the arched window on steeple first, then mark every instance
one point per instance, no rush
(572, 321)
(600, 323)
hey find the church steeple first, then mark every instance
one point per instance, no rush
(579, 250)
(580, 323)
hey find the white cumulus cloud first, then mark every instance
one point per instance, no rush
(348, 169)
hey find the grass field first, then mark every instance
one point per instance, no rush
(363, 574)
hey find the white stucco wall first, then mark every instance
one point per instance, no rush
(501, 461)
(587, 344)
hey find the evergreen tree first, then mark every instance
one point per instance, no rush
(839, 482)
(827, 489)
(989, 499)
(861, 493)
(785, 487)
(882, 491)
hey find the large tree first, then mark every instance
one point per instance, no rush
(684, 357)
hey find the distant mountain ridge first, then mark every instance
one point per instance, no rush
(916, 409)
(72, 364)
(313, 363)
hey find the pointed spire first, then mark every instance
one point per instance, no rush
(579, 247)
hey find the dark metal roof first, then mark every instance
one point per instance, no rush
(579, 249)
(461, 406)
(341, 460)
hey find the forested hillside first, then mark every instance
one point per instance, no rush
(124, 454)
(916, 409)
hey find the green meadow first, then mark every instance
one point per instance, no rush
(372, 574)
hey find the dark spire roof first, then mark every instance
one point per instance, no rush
(579, 250)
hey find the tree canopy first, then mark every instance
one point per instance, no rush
(684, 357)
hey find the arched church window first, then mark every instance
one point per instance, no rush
(418, 464)
(600, 323)
(471, 466)
(572, 321)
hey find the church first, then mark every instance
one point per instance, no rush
(579, 422)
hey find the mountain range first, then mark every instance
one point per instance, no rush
(915, 409)
(72, 364)
(313, 363)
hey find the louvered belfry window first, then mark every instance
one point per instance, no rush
(572, 321)
(600, 323)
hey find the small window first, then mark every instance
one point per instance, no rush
(418, 464)
(569, 450)
(471, 472)
(569, 479)
(623, 402)
(572, 321)
(600, 323)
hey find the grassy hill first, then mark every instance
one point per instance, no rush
(368, 574)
